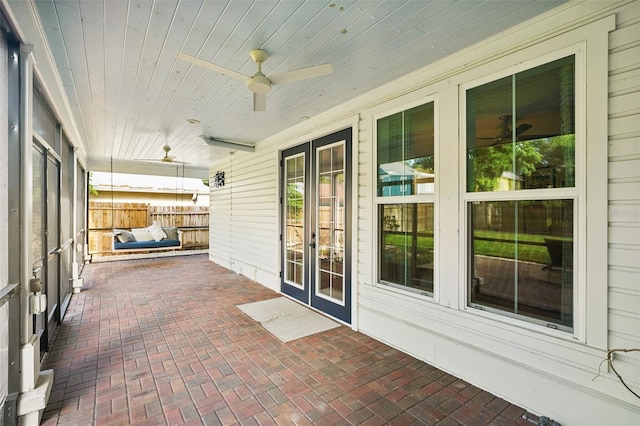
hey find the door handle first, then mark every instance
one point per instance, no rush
(312, 244)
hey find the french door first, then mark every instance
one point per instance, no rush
(316, 224)
(46, 240)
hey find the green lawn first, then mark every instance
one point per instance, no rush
(505, 248)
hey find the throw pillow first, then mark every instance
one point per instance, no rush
(142, 234)
(157, 232)
(124, 236)
(172, 232)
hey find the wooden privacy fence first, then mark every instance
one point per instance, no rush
(193, 221)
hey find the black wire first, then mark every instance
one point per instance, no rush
(610, 360)
(111, 175)
(182, 198)
(175, 211)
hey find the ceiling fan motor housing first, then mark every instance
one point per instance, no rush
(258, 83)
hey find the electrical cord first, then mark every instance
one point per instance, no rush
(610, 353)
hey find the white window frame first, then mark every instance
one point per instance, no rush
(407, 199)
(503, 68)
(316, 208)
(284, 208)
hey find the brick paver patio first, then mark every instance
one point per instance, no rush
(161, 341)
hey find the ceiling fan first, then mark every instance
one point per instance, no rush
(258, 83)
(506, 134)
(167, 158)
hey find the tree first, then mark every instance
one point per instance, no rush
(487, 164)
(92, 190)
(558, 153)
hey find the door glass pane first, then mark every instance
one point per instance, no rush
(66, 187)
(522, 258)
(294, 221)
(53, 197)
(53, 240)
(37, 225)
(38, 228)
(330, 222)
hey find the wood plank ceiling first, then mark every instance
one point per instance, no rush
(129, 95)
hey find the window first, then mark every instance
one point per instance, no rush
(44, 123)
(521, 194)
(405, 198)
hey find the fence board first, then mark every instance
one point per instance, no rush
(193, 221)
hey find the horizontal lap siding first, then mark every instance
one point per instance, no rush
(624, 193)
(255, 223)
(245, 211)
(364, 203)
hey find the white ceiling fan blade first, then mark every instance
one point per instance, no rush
(259, 101)
(160, 161)
(301, 74)
(209, 65)
(171, 161)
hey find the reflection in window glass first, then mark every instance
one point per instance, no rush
(405, 152)
(37, 224)
(521, 130)
(294, 208)
(406, 245)
(331, 219)
(521, 258)
(53, 195)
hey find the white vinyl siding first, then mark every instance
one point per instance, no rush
(364, 207)
(624, 192)
(244, 213)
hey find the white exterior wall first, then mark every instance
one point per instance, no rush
(243, 215)
(548, 372)
(624, 193)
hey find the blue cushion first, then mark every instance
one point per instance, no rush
(145, 244)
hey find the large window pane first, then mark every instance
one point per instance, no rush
(406, 245)
(521, 258)
(521, 130)
(406, 152)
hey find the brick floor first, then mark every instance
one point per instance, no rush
(160, 341)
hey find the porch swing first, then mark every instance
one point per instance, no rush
(152, 238)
